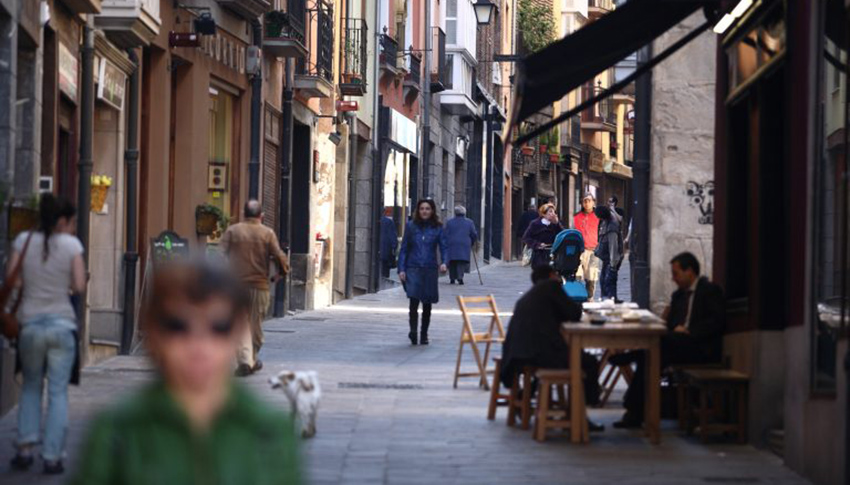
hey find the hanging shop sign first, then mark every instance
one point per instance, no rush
(169, 246)
(111, 85)
(69, 71)
(404, 132)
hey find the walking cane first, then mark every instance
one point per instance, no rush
(475, 258)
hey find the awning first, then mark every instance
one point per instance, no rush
(546, 76)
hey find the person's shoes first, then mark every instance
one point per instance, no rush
(460, 282)
(244, 370)
(412, 337)
(258, 366)
(21, 462)
(451, 282)
(595, 427)
(628, 422)
(53, 467)
(423, 339)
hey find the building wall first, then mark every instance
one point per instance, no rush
(682, 157)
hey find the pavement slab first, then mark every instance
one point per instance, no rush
(390, 415)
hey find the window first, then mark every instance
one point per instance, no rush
(451, 22)
(829, 275)
(221, 147)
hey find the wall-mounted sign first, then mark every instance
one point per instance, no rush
(111, 85)
(169, 246)
(69, 70)
(404, 131)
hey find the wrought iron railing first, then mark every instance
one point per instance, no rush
(601, 112)
(355, 58)
(288, 24)
(389, 51)
(414, 68)
(320, 33)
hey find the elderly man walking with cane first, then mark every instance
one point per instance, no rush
(249, 246)
(460, 236)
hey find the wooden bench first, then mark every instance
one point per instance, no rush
(553, 413)
(716, 392)
(497, 398)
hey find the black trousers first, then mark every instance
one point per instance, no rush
(457, 269)
(676, 349)
(413, 315)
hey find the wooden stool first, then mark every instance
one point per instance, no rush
(521, 405)
(723, 386)
(552, 414)
(495, 334)
(496, 397)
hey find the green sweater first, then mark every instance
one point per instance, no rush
(149, 440)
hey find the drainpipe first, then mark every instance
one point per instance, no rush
(640, 183)
(84, 168)
(352, 205)
(426, 108)
(131, 255)
(256, 111)
(284, 222)
(377, 160)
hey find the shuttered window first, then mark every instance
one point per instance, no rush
(271, 168)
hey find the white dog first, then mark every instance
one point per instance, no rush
(303, 391)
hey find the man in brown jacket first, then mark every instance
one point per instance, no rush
(250, 246)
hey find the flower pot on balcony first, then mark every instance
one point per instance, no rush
(527, 150)
(543, 149)
(348, 78)
(554, 157)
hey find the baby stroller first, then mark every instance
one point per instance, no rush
(565, 258)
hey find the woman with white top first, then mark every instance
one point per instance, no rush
(52, 269)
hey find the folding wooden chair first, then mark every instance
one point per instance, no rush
(494, 334)
(609, 379)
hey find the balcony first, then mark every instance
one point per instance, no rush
(599, 117)
(129, 23)
(248, 9)
(389, 55)
(314, 73)
(439, 67)
(413, 78)
(83, 6)
(284, 31)
(598, 8)
(355, 58)
(458, 98)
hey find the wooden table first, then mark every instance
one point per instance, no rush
(646, 336)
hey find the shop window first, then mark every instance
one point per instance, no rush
(829, 275)
(221, 148)
(757, 48)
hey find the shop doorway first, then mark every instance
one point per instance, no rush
(302, 167)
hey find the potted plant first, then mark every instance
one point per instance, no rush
(99, 190)
(555, 143)
(527, 150)
(543, 141)
(210, 220)
(276, 21)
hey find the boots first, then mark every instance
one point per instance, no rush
(426, 322)
(414, 322)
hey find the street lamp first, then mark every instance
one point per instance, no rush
(483, 11)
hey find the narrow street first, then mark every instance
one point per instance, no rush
(389, 413)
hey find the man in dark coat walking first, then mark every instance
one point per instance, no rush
(696, 320)
(534, 333)
(460, 237)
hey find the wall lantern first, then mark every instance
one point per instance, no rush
(483, 11)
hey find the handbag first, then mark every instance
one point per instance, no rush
(11, 328)
(527, 253)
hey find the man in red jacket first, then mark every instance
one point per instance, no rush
(588, 224)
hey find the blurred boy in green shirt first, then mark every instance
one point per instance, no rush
(193, 425)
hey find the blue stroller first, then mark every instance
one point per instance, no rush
(565, 258)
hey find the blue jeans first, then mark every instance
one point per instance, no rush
(47, 347)
(608, 281)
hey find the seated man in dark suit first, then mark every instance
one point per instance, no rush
(695, 324)
(534, 334)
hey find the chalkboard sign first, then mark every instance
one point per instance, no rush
(169, 246)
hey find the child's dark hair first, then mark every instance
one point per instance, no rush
(541, 273)
(50, 209)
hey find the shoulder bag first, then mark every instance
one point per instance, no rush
(8, 319)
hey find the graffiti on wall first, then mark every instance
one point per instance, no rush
(701, 196)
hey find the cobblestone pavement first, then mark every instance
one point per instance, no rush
(389, 413)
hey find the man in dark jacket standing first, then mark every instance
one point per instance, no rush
(534, 333)
(695, 324)
(609, 250)
(389, 242)
(460, 237)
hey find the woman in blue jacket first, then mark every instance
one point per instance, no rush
(417, 264)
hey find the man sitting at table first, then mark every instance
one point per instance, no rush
(534, 334)
(695, 324)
